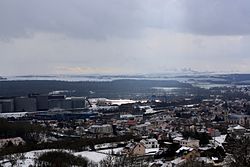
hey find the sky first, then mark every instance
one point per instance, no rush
(41, 37)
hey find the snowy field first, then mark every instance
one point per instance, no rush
(29, 157)
(94, 156)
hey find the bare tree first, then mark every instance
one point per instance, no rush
(240, 149)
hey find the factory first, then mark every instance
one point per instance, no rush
(37, 102)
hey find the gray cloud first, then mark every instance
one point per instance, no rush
(123, 36)
(106, 18)
(77, 18)
(217, 17)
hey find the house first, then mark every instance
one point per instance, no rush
(177, 139)
(187, 153)
(237, 130)
(150, 143)
(101, 129)
(190, 143)
(213, 132)
(134, 149)
(144, 128)
(191, 155)
(239, 119)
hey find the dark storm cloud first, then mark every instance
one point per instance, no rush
(105, 18)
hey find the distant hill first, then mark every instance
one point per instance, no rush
(2, 78)
(111, 89)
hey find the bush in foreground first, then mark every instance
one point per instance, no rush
(60, 159)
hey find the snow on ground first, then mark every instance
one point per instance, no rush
(97, 156)
(108, 151)
(14, 114)
(29, 157)
(105, 146)
(91, 155)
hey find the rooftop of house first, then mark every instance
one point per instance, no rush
(184, 149)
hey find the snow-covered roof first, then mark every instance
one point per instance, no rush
(184, 149)
(120, 101)
(152, 140)
(147, 123)
(238, 127)
(178, 161)
(215, 158)
(219, 140)
(204, 148)
(178, 138)
(167, 142)
(150, 111)
(151, 151)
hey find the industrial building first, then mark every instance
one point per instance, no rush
(25, 104)
(101, 129)
(78, 102)
(42, 102)
(37, 102)
(6, 105)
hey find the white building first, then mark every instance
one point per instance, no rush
(150, 143)
(101, 129)
(190, 143)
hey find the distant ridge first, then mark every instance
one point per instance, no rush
(2, 78)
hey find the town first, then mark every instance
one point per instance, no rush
(172, 127)
(124, 83)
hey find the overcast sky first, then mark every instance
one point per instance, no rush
(123, 36)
